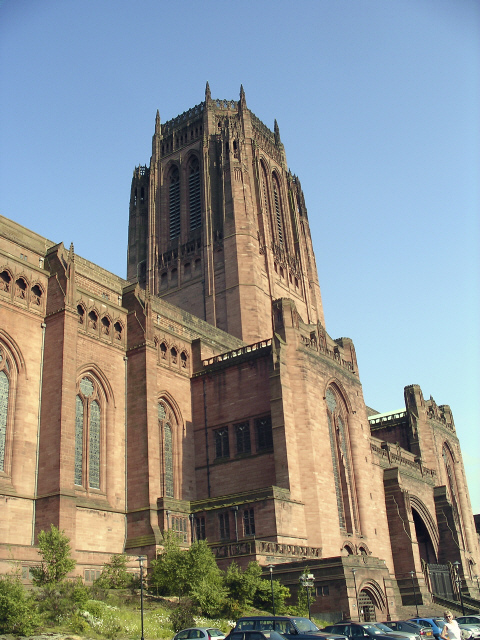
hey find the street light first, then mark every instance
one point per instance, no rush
(412, 573)
(459, 584)
(354, 571)
(270, 566)
(307, 582)
(141, 560)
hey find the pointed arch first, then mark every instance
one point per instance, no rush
(9, 370)
(337, 417)
(428, 521)
(171, 428)
(91, 407)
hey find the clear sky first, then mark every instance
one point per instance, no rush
(378, 104)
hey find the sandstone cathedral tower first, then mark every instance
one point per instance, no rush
(204, 395)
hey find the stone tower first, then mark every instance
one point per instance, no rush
(218, 224)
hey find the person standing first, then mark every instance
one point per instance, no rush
(451, 630)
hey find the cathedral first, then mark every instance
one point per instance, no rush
(203, 394)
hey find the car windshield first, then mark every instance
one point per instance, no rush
(215, 633)
(383, 627)
(304, 625)
(440, 622)
(371, 628)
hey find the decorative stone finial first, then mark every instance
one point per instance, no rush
(243, 101)
(157, 122)
(276, 131)
(208, 95)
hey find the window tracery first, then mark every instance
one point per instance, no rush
(167, 423)
(88, 425)
(344, 489)
(7, 388)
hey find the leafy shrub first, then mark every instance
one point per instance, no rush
(60, 601)
(182, 617)
(18, 613)
(114, 574)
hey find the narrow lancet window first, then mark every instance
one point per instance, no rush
(174, 204)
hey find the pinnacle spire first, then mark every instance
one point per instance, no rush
(157, 122)
(243, 102)
(208, 95)
(276, 131)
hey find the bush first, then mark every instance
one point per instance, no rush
(183, 617)
(18, 613)
(114, 574)
(61, 601)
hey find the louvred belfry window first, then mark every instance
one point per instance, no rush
(278, 208)
(88, 433)
(194, 201)
(174, 203)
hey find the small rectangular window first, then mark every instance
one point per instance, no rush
(200, 527)
(242, 437)
(179, 526)
(222, 448)
(249, 522)
(224, 526)
(263, 428)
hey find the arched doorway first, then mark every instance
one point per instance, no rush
(425, 544)
(371, 602)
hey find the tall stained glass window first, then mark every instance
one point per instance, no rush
(166, 418)
(88, 433)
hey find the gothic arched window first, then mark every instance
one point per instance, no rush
(8, 378)
(339, 445)
(88, 425)
(278, 208)
(449, 464)
(194, 202)
(166, 419)
(174, 203)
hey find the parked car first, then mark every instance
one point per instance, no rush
(403, 625)
(436, 624)
(292, 627)
(386, 628)
(360, 630)
(473, 630)
(255, 635)
(472, 619)
(201, 633)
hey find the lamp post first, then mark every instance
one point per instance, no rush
(141, 560)
(354, 571)
(459, 584)
(270, 567)
(307, 582)
(412, 573)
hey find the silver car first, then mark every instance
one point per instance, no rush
(200, 633)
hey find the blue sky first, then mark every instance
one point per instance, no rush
(378, 103)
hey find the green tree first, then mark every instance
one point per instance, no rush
(56, 562)
(243, 585)
(18, 613)
(114, 574)
(263, 596)
(193, 573)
